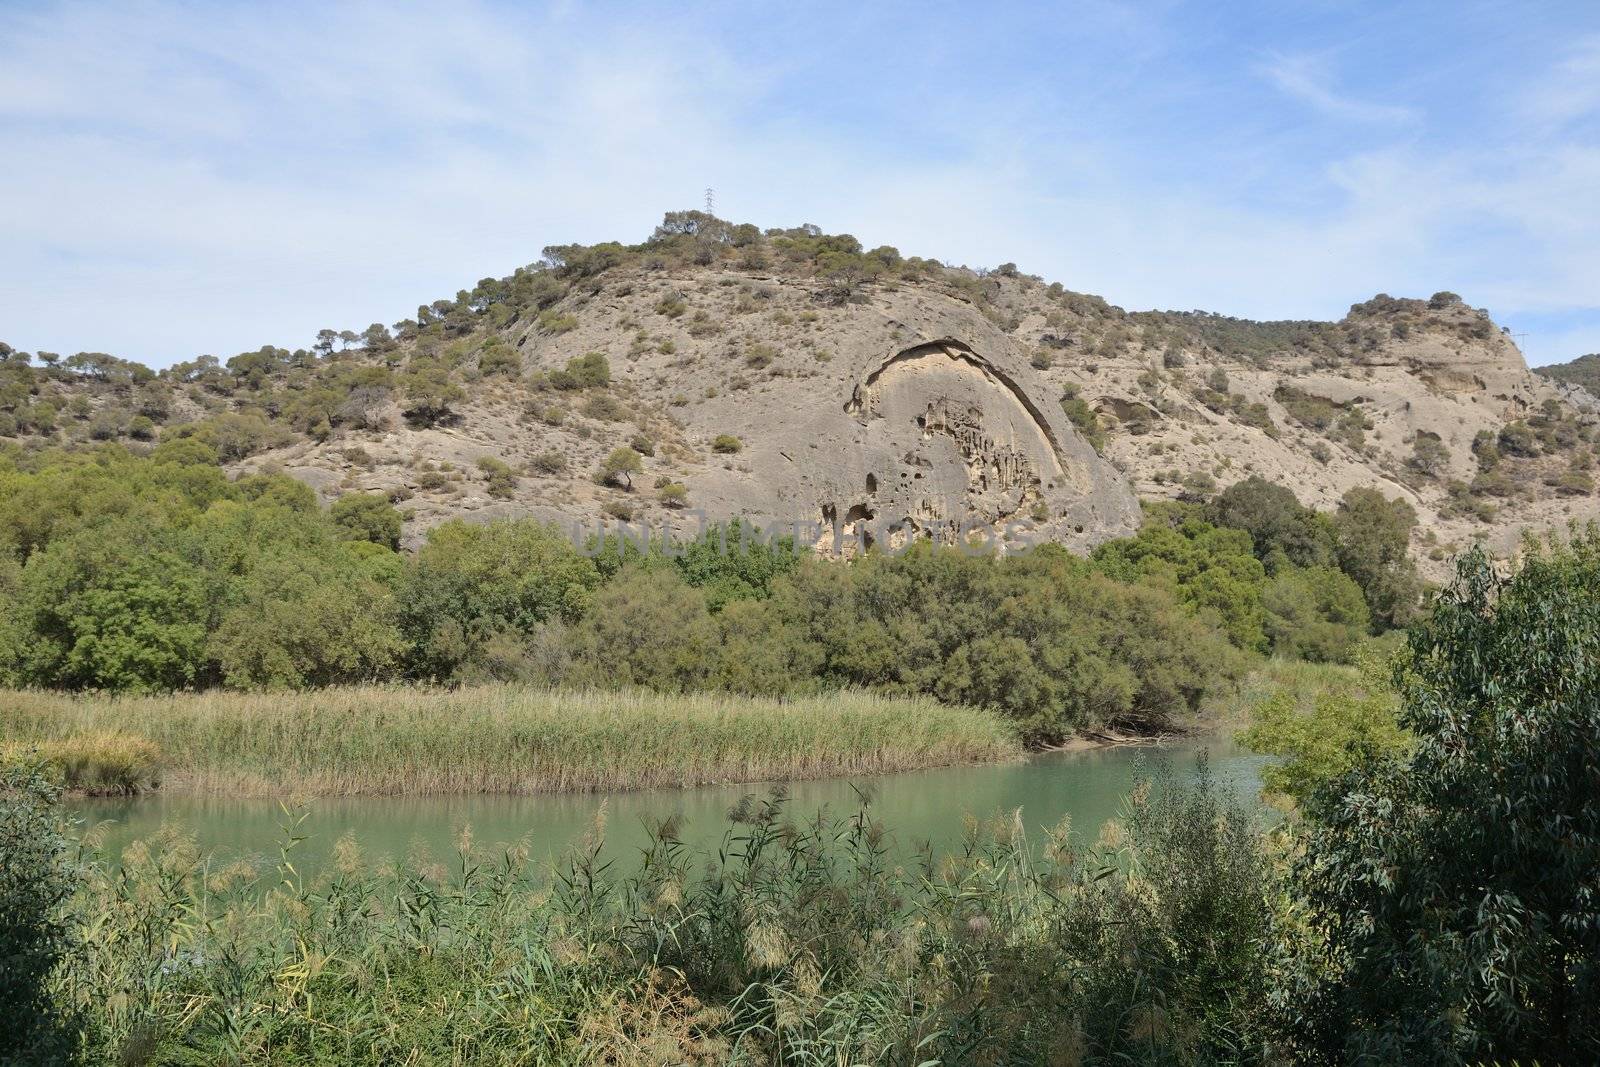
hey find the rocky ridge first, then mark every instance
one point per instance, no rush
(866, 392)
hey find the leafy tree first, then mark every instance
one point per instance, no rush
(111, 610)
(1211, 568)
(1315, 613)
(762, 652)
(1456, 888)
(1281, 529)
(648, 628)
(469, 582)
(1373, 535)
(619, 467)
(1346, 729)
(368, 517)
(313, 619)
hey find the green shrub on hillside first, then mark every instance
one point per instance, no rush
(499, 479)
(368, 517)
(1082, 417)
(588, 371)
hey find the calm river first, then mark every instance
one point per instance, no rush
(916, 806)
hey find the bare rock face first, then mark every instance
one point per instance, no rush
(921, 409)
(942, 443)
(937, 427)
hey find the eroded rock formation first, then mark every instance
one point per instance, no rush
(957, 448)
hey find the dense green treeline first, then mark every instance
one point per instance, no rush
(1430, 900)
(145, 573)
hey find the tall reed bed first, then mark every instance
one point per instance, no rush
(506, 739)
(796, 943)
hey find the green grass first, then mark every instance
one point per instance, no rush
(505, 739)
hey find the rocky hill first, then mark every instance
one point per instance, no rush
(792, 375)
(1583, 372)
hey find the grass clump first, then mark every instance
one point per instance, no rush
(488, 739)
(99, 761)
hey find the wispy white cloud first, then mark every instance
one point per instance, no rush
(1570, 89)
(1309, 79)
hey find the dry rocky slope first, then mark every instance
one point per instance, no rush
(761, 377)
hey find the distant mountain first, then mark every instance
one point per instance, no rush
(793, 374)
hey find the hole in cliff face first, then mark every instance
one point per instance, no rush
(858, 513)
(872, 484)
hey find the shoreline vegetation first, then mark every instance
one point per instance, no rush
(1187, 933)
(385, 740)
(514, 739)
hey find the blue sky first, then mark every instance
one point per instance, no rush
(177, 179)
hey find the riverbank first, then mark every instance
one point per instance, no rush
(491, 739)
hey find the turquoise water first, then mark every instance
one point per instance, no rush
(917, 807)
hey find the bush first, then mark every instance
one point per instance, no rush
(1517, 439)
(726, 444)
(1043, 637)
(549, 462)
(36, 936)
(553, 321)
(605, 408)
(500, 480)
(588, 371)
(1317, 749)
(1468, 866)
(429, 391)
(1429, 456)
(500, 358)
(1315, 613)
(312, 620)
(368, 517)
(112, 611)
(1211, 569)
(1082, 417)
(648, 628)
(469, 582)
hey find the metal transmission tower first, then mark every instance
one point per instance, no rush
(711, 203)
